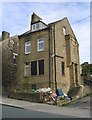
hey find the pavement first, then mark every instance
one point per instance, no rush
(76, 112)
(84, 103)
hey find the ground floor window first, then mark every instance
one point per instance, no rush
(63, 68)
(27, 69)
(41, 67)
(34, 68)
(37, 67)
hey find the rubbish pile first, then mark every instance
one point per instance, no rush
(63, 95)
(48, 94)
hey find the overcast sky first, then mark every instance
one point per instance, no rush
(16, 18)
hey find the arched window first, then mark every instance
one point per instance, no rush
(64, 30)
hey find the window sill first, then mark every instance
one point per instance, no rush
(40, 50)
(37, 75)
(27, 53)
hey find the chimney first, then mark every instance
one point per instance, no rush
(5, 35)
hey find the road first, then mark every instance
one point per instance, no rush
(24, 109)
(15, 112)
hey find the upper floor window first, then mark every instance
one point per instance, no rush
(40, 44)
(38, 26)
(35, 27)
(64, 30)
(27, 47)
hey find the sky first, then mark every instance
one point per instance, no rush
(15, 18)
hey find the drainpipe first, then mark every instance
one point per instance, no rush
(55, 59)
(49, 57)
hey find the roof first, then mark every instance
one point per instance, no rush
(28, 32)
(53, 23)
(58, 21)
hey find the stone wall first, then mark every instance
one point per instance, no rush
(87, 90)
(32, 97)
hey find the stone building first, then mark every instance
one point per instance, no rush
(9, 60)
(48, 56)
(0, 67)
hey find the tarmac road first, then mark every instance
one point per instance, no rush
(15, 112)
(78, 110)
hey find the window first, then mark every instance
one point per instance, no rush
(34, 68)
(64, 30)
(33, 27)
(15, 58)
(33, 87)
(27, 47)
(41, 67)
(63, 68)
(27, 69)
(40, 44)
(38, 26)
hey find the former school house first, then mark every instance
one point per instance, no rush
(48, 56)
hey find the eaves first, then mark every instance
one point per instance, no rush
(31, 32)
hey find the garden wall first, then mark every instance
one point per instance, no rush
(32, 97)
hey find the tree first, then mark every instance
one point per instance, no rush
(86, 68)
(9, 68)
(86, 73)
